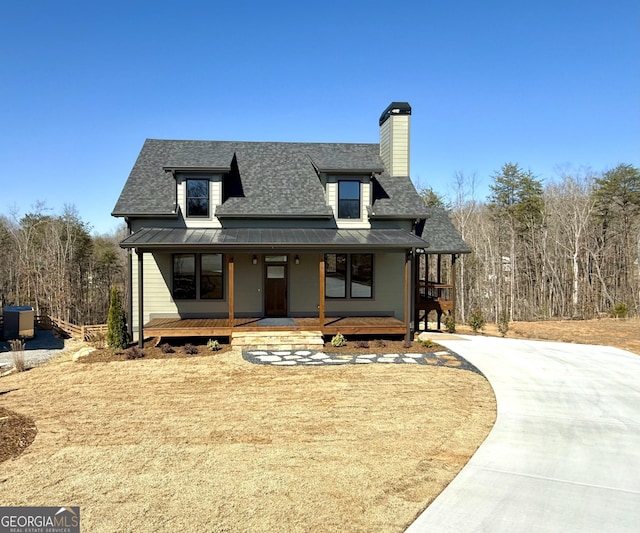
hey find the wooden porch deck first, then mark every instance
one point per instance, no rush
(221, 327)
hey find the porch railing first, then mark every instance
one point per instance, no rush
(428, 290)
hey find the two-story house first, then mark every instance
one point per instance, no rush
(231, 236)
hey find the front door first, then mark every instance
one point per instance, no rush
(275, 286)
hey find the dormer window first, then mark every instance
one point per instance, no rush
(349, 199)
(197, 197)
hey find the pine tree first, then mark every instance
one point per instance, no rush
(117, 335)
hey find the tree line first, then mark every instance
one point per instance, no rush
(53, 263)
(567, 248)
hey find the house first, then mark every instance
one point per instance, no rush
(230, 236)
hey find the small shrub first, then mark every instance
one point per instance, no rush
(17, 349)
(338, 341)
(213, 345)
(427, 343)
(620, 310)
(190, 349)
(166, 348)
(134, 353)
(362, 344)
(476, 321)
(503, 324)
(380, 343)
(449, 323)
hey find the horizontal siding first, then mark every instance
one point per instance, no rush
(303, 288)
(388, 291)
(385, 144)
(400, 146)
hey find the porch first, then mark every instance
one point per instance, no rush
(224, 327)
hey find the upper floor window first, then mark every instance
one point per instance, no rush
(349, 199)
(197, 197)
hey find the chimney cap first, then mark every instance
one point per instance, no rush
(395, 108)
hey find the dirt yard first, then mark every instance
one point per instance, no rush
(217, 444)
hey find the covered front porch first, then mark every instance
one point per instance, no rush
(354, 282)
(224, 327)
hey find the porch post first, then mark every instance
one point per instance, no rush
(407, 296)
(416, 290)
(453, 285)
(322, 290)
(230, 286)
(140, 254)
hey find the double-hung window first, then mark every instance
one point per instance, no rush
(349, 199)
(198, 277)
(352, 271)
(197, 197)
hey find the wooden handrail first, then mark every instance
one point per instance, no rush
(428, 290)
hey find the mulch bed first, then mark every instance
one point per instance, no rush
(17, 432)
(150, 351)
(174, 350)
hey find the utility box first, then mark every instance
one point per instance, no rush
(18, 322)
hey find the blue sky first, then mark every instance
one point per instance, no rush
(544, 84)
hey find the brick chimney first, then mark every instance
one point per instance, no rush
(394, 138)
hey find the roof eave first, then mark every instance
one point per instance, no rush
(274, 216)
(186, 169)
(144, 215)
(367, 171)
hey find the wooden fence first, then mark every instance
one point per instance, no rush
(85, 333)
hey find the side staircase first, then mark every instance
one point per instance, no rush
(278, 340)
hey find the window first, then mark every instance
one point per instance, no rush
(202, 279)
(361, 275)
(360, 279)
(349, 199)
(335, 284)
(211, 277)
(197, 197)
(184, 277)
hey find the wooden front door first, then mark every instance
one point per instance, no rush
(275, 288)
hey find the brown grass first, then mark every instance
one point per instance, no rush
(217, 444)
(619, 332)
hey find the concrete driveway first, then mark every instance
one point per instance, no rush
(564, 454)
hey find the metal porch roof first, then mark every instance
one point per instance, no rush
(269, 238)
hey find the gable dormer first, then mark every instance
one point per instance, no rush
(349, 196)
(198, 192)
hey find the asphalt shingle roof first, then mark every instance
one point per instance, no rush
(272, 179)
(396, 197)
(442, 235)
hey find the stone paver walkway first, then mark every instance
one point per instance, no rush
(316, 358)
